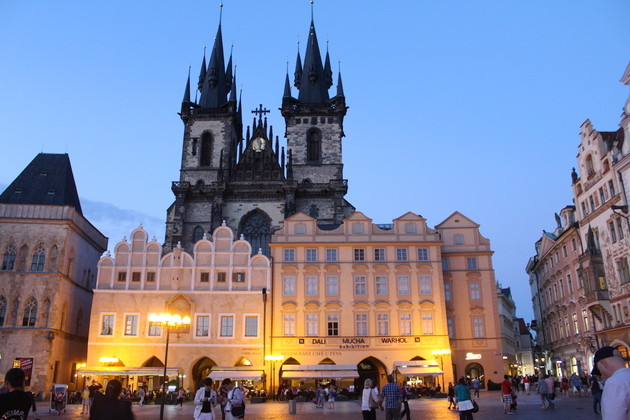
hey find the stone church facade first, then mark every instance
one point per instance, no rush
(247, 179)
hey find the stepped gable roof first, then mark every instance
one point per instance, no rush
(47, 180)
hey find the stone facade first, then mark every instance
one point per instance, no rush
(57, 295)
(220, 286)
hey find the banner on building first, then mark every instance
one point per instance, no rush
(26, 364)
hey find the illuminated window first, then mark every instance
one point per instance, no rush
(289, 325)
(107, 324)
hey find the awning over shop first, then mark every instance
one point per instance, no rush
(238, 373)
(420, 371)
(418, 368)
(319, 371)
(128, 371)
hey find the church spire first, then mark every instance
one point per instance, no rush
(214, 90)
(339, 86)
(287, 87)
(328, 70)
(313, 85)
(202, 72)
(298, 70)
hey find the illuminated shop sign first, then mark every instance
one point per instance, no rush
(473, 356)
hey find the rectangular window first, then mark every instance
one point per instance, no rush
(573, 244)
(122, 276)
(361, 324)
(150, 277)
(289, 325)
(602, 198)
(425, 285)
(238, 277)
(382, 324)
(478, 327)
(405, 324)
(221, 277)
(427, 323)
(474, 291)
(401, 254)
(331, 254)
(202, 326)
(448, 292)
(131, 325)
(379, 254)
(251, 326)
(423, 254)
(311, 286)
(311, 324)
(611, 188)
(357, 228)
(311, 254)
(564, 251)
(569, 283)
(471, 263)
(359, 254)
(576, 329)
(332, 324)
(107, 325)
(592, 203)
(451, 327)
(227, 326)
(445, 263)
(332, 286)
(381, 285)
(205, 277)
(613, 234)
(288, 286)
(624, 270)
(135, 276)
(620, 228)
(360, 286)
(561, 288)
(403, 285)
(155, 330)
(585, 319)
(289, 255)
(584, 209)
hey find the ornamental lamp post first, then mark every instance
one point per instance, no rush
(167, 320)
(441, 353)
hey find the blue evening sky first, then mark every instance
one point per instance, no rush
(470, 106)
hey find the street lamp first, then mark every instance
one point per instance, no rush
(167, 320)
(273, 360)
(441, 353)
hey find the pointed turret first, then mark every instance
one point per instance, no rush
(214, 91)
(202, 72)
(591, 246)
(233, 88)
(328, 71)
(313, 85)
(186, 99)
(228, 73)
(339, 87)
(287, 87)
(298, 71)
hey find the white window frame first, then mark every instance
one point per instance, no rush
(312, 324)
(478, 327)
(423, 254)
(380, 286)
(137, 323)
(288, 254)
(404, 286)
(333, 318)
(406, 323)
(472, 263)
(310, 254)
(474, 291)
(361, 324)
(360, 285)
(402, 254)
(288, 324)
(311, 286)
(382, 324)
(428, 326)
(332, 286)
(380, 254)
(288, 286)
(102, 318)
(424, 285)
(448, 292)
(245, 317)
(197, 316)
(332, 255)
(220, 321)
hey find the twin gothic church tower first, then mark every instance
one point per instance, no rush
(249, 181)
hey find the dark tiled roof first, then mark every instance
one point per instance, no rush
(46, 180)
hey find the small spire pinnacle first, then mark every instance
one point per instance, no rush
(312, 2)
(220, 13)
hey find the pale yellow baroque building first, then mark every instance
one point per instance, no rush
(221, 287)
(384, 298)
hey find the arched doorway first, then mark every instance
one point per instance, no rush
(370, 368)
(201, 370)
(475, 371)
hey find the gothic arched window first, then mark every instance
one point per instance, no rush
(30, 313)
(314, 146)
(39, 257)
(197, 234)
(8, 260)
(54, 251)
(206, 150)
(256, 227)
(3, 310)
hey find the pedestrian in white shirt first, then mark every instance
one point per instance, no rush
(609, 363)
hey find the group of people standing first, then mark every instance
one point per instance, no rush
(230, 399)
(392, 399)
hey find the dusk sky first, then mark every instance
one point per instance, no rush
(470, 106)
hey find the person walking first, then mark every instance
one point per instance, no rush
(392, 397)
(405, 401)
(370, 401)
(235, 407)
(15, 403)
(141, 394)
(205, 399)
(551, 391)
(526, 383)
(610, 364)
(110, 406)
(451, 396)
(506, 395)
(180, 397)
(596, 391)
(476, 386)
(464, 403)
(542, 390)
(85, 400)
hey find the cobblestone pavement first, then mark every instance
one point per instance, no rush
(491, 408)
